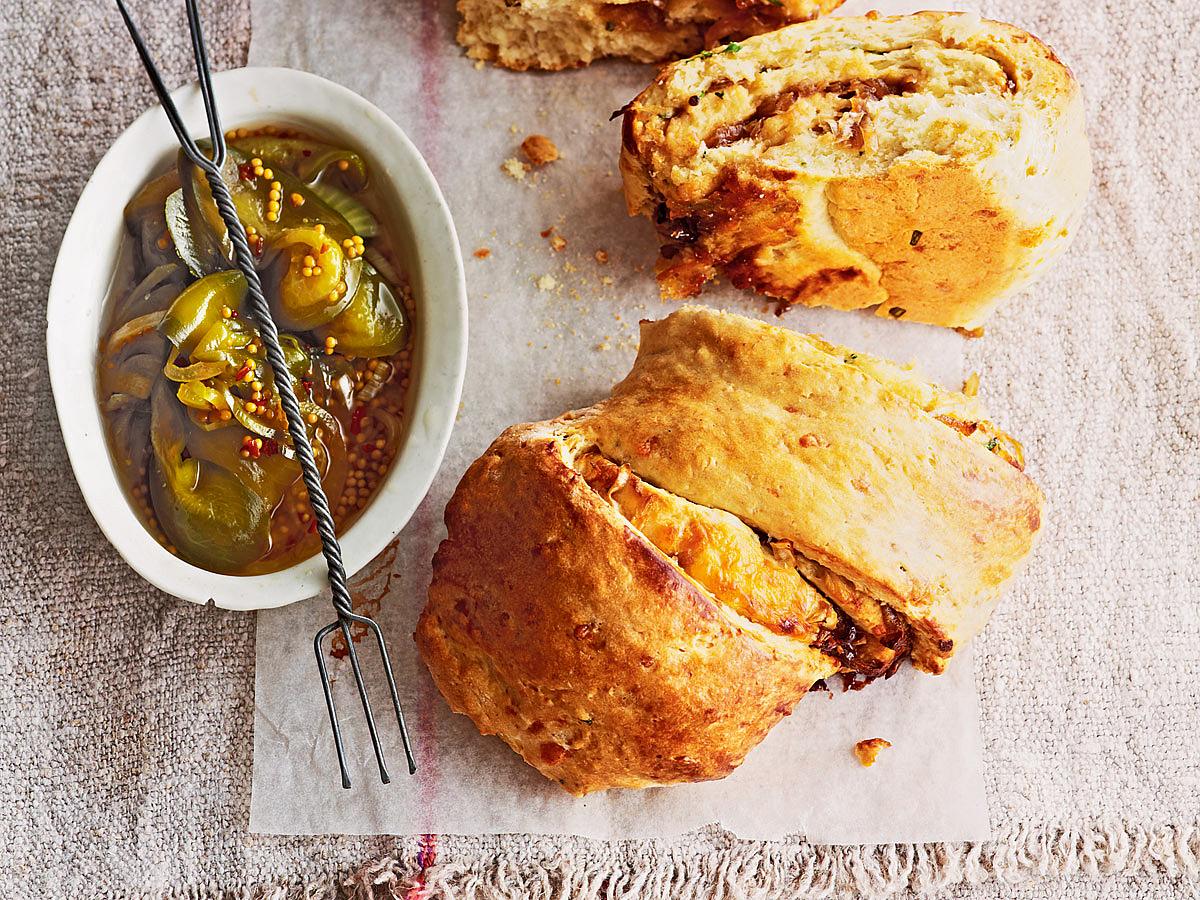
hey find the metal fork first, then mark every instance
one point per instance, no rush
(261, 314)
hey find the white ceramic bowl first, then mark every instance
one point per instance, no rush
(428, 248)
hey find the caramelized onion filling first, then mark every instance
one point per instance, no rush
(838, 108)
(731, 20)
(765, 581)
(716, 550)
(643, 16)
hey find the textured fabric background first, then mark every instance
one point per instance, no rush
(125, 761)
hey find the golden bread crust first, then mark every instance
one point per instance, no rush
(928, 165)
(835, 455)
(634, 593)
(553, 624)
(563, 34)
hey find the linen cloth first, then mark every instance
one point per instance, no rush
(125, 762)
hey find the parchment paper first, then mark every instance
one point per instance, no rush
(541, 345)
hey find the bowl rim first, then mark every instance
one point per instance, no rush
(249, 94)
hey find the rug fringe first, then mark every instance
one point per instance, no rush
(713, 865)
(753, 871)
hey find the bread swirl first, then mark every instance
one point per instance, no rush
(560, 34)
(634, 593)
(927, 165)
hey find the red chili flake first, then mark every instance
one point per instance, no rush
(270, 447)
(233, 314)
(306, 152)
(312, 526)
(246, 172)
(356, 420)
(307, 384)
(242, 372)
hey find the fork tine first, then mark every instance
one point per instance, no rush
(391, 679)
(366, 701)
(164, 95)
(325, 685)
(204, 74)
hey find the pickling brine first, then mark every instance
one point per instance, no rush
(193, 419)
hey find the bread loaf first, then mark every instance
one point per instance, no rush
(926, 165)
(561, 34)
(635, 593)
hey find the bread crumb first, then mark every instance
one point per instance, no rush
(557, 241)
(478, 64)
(547, 283)
(867, 751)
(514, 168)
(483, 253)
(602, 257)
(971, 385)
(606, 279)
(539, 149)
(970, 332)
(513, 129)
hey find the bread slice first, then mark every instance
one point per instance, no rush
(562, 34)
(635, 593)
(927, 165)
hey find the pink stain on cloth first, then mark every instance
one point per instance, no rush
(431, 79)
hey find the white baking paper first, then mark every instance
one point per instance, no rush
(553, 330)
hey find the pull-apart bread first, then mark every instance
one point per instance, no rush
(927, 165)
(561, 34)
(635, 593)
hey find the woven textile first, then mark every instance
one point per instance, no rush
(126, 767)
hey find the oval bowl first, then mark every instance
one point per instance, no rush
(429, 253)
